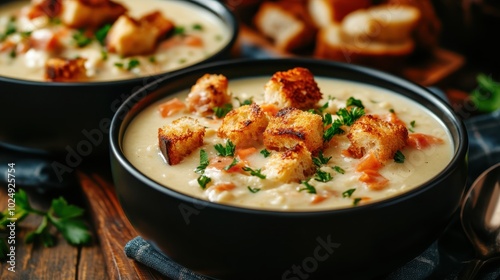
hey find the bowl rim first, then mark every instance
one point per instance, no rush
(217, 8)
(117, 131)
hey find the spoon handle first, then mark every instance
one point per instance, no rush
(471, 270)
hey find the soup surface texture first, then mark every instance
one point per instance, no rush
(29, 38)
(336, 182)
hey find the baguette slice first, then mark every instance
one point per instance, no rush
(331, 44)
(326, 12)
(286, 24)
(386, 23)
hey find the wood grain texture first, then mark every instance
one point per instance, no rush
(113, 229)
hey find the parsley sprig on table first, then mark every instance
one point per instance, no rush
(66, 218)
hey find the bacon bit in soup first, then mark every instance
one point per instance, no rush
(369, 162)
(223, 187)
(373, 179)
(421, 141)
(171, 107)
(221, 163)
(245, 153)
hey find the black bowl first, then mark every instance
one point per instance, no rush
(72, 119)
(229, 242)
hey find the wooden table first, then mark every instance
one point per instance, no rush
(105, 257)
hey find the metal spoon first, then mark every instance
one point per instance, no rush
(480, 216)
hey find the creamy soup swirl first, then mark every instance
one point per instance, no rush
(336, 181)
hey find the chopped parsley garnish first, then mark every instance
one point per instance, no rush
(12, 53)
(253, 190)
(81, 39)
(255, 173)
(392, 111)
(321, 159)
(101, 34)
(179, 30)
(245, 102)
(152, 59)
(203, 162)
(55, 21)
(412, 126)
(338, 169)
(348, 193)
(221, 112)
(133, 63)
(9, 29)
(119, 64)
(399, 157)
(356, 201)
(354, 102)
(265, 153)
(104, 55)
(182, 60)
(322, 176)
(203, 181)
(235, 161)
(346, 117)
(225, 151)
(197, 26)
(308, 187)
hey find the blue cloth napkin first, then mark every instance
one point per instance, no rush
(437, 262)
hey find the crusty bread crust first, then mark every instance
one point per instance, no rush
(244, 125)
(389, 57)
(180, 138)
(210, 91)
(292, 165)
(370, 134)
(326, 12)
(65, 70)
(293, 88)
(291, 127)
(287, 23)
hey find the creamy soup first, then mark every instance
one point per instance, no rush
(339, 185)
(27, 41)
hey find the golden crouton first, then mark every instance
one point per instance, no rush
(65, 70)
(382, 138)
(244, 125)
(129, 37)
(293, 88)
(290, 166)
(90, 14)
(210, 91)
(291, 126)
(180, 138)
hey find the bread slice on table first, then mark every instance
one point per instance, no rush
(332, 44)
(286, 23)
(384, 23)
(326, 12)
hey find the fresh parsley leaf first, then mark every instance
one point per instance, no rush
(235, 161)
(399, 157)
(63, 210)
(348, 193)
(338, 169)
(133, 63)
(203, 162)
(67, 219)
(81, 39)
(356, 201)
(253, 190)
(486, 97)
(245, 102)
(254, 172)
(322, 176)
(197, 26)
(101, 34)
(392, 111)
(119, 64)
(334, 129)
(221, 112)
(308, 187)
(348, 117)
(354, 102)
(41, 233)
(265, 153)
(412, 126)
(225, 151)
(179, 30)
(104, 55)
(321, 159)
(203, 181)
(327, 119)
